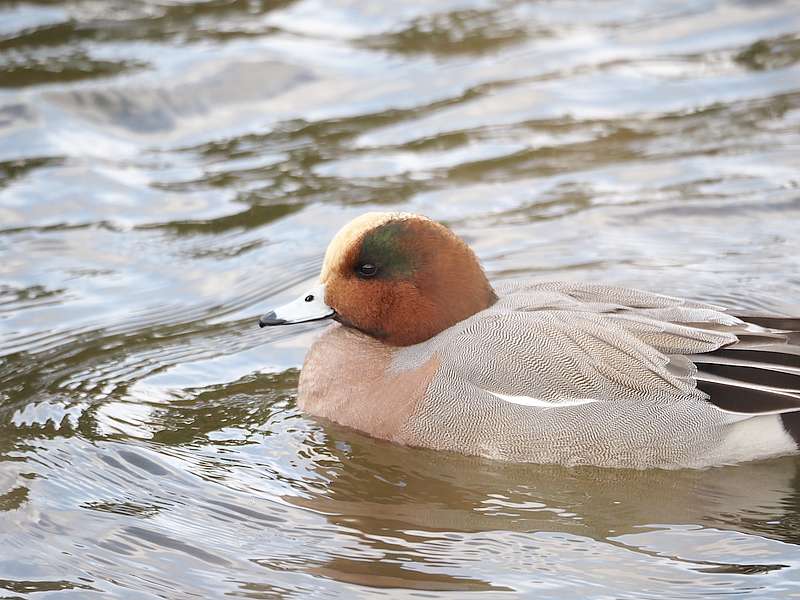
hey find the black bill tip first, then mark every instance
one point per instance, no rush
(270, 319)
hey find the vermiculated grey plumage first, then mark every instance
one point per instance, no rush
(587, 374)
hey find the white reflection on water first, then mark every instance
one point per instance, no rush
(170, 170)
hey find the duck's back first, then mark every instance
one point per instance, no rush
(585, 374)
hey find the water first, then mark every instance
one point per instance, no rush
(171, 169)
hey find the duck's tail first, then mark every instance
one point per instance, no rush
(759, 374)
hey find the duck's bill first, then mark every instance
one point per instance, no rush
(308, 307)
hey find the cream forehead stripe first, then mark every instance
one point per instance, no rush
(352, 232)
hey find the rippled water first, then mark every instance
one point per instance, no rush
(170, 169)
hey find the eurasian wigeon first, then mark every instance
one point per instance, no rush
(424, 351)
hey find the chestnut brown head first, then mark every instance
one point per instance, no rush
(401, 278)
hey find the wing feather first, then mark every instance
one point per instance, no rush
(566, 343)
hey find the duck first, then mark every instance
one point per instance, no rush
(422, 350)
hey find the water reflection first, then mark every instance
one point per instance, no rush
(230, 481)
(167, 170)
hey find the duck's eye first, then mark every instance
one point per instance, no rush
(367, 270)
(309, 298)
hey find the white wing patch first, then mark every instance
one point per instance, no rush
(529, 401)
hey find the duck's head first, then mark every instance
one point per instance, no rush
(400, 278)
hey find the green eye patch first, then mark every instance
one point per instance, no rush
(384, 248)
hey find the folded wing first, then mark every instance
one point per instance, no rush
(561, 344)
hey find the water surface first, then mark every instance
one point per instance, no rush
(170, 170)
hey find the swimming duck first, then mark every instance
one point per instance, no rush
(423, 351)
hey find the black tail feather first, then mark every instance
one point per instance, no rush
(765, 356)
(765, 374)
(791, 423)
(759, 374)
(736, 397)
(782, 323)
